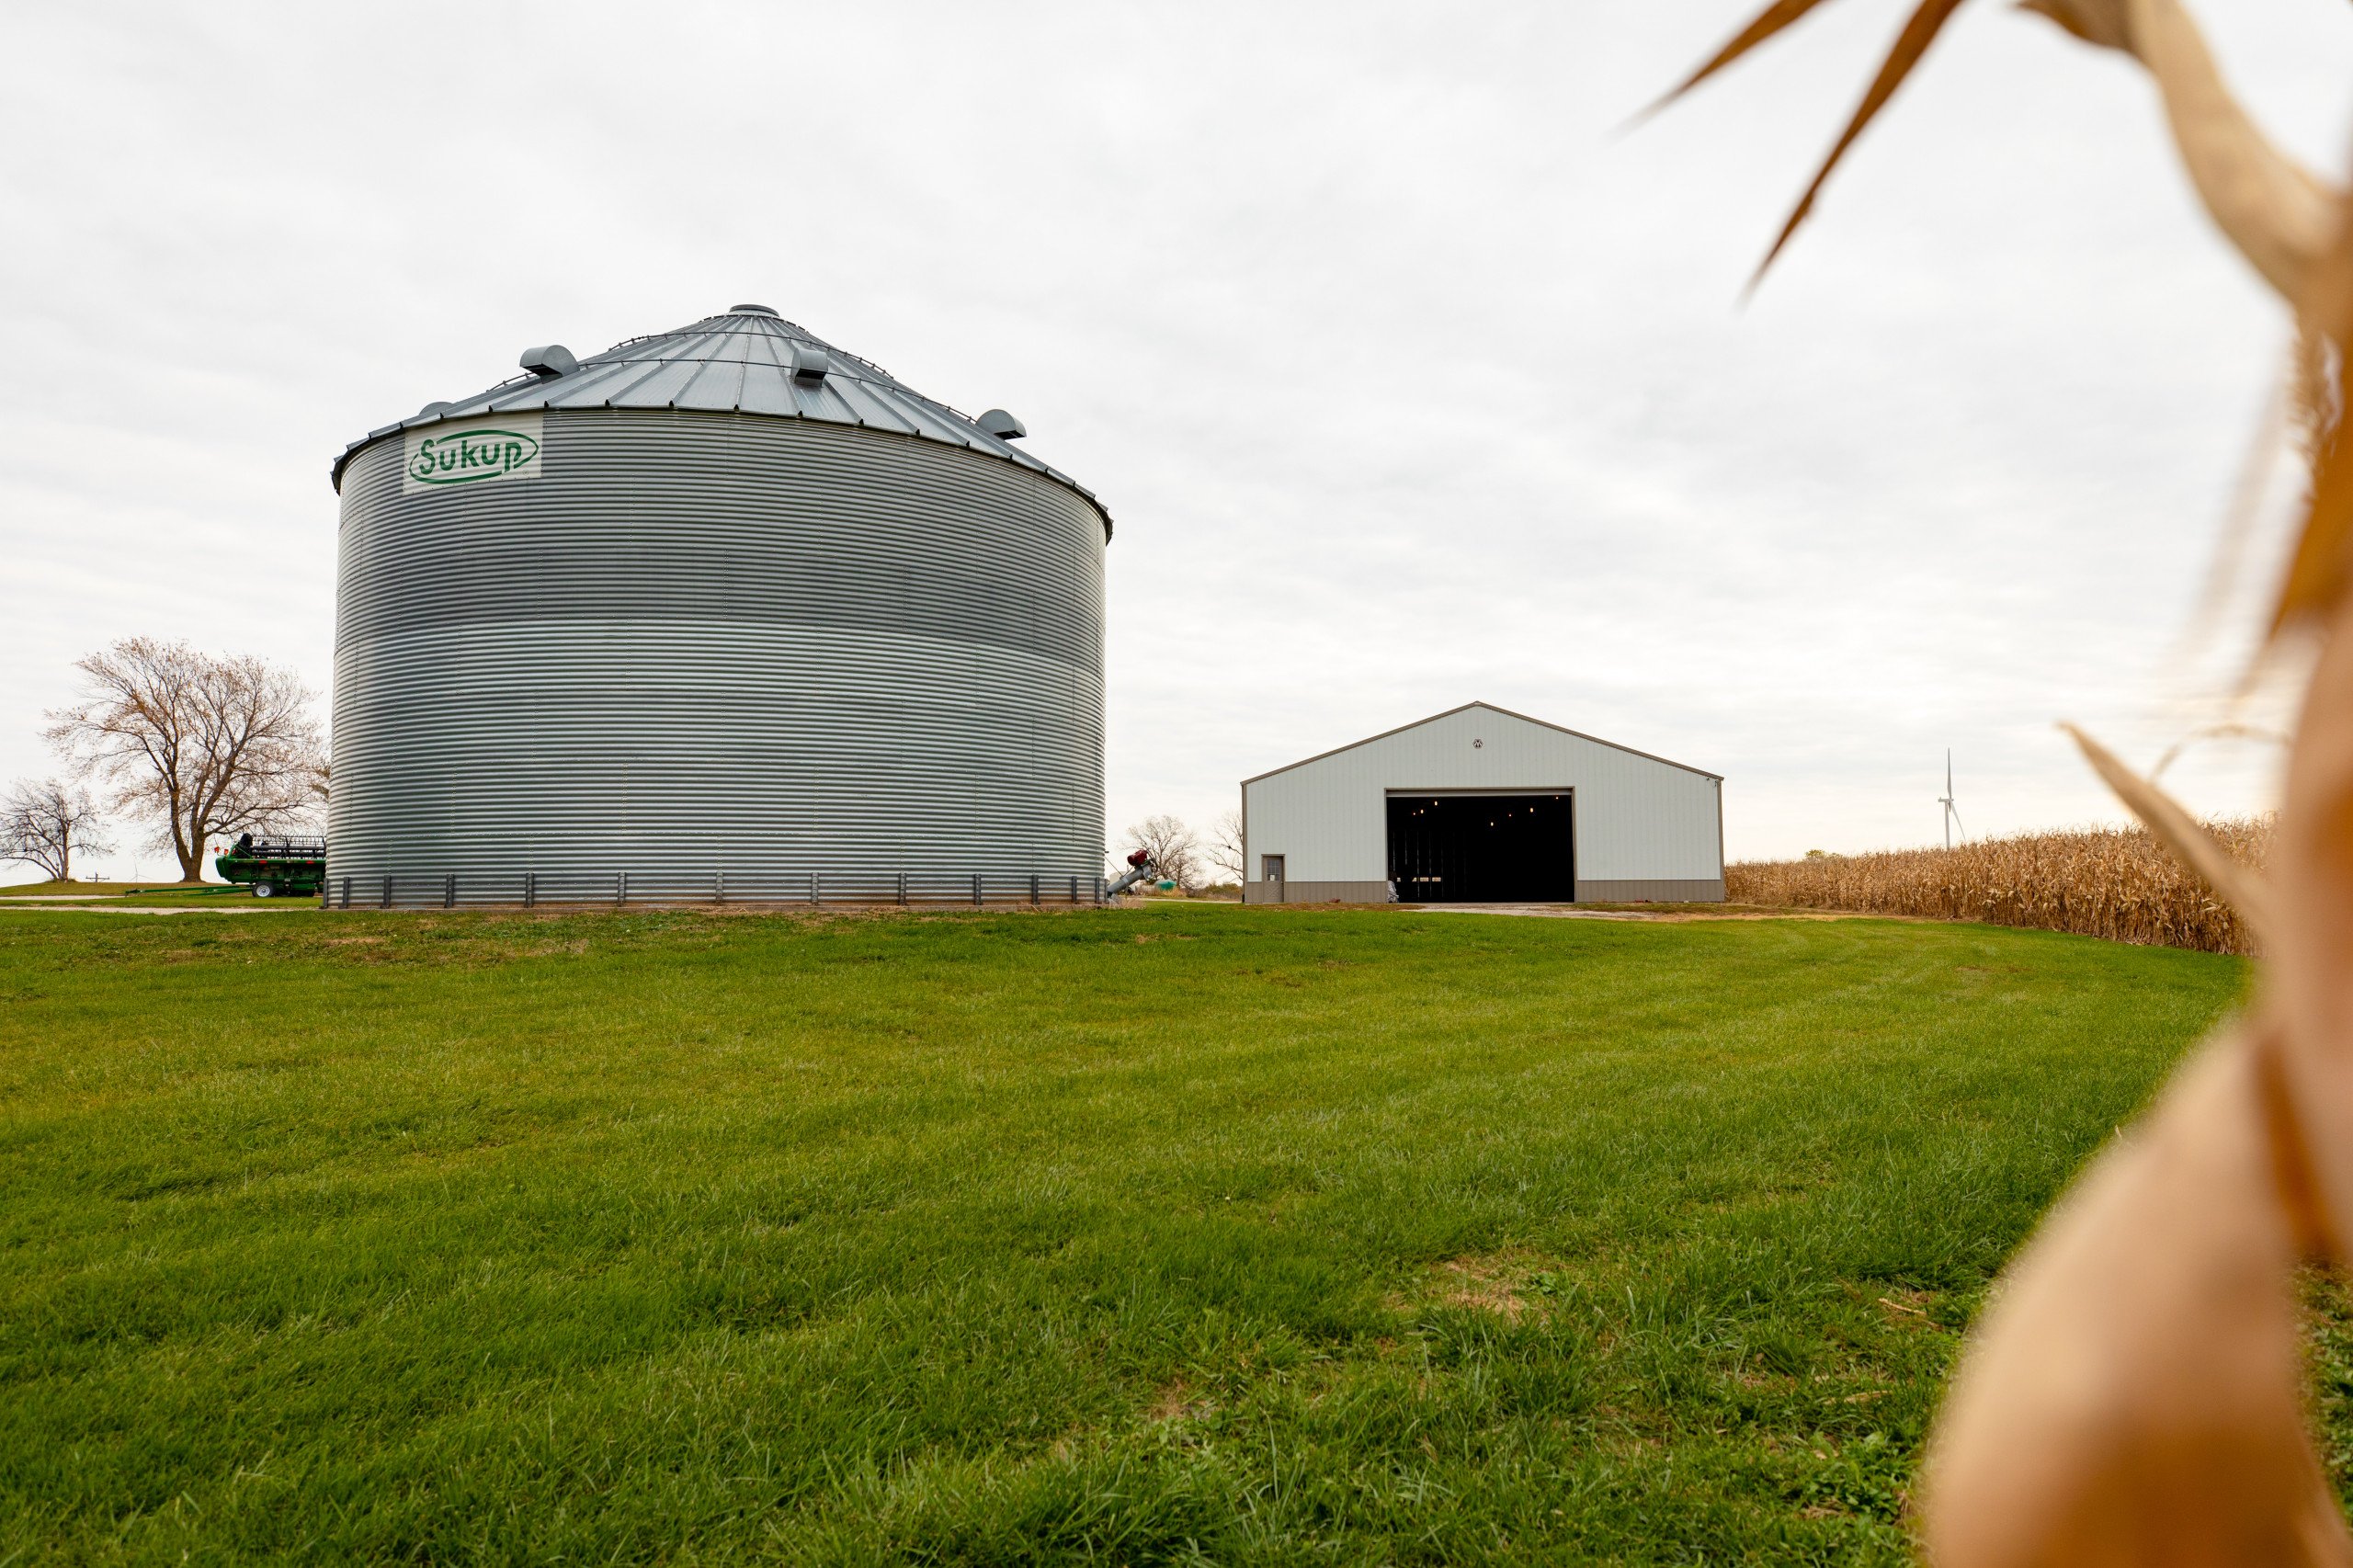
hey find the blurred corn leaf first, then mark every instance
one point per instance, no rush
(1767, 22)
(1919, 31)
(2316, 576)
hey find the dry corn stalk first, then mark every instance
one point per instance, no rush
(2132, 1395)
(2119, 883)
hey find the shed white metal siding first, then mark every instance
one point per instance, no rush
(1645, 828)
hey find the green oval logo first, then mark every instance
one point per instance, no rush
(469, 457)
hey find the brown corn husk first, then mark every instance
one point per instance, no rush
(2312, 977)
(1919, 31)
(1764, 25)
(2279, 215)
(2101, 22)
(2133, 1393)
(2316, 576)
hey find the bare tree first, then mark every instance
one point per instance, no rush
(1224, 848)
(1175, 852)
(200, 744)
(45, 823)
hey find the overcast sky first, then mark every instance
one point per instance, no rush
(1408, 377)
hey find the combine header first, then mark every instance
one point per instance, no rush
(294, 867)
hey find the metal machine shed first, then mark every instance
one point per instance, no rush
(1480, 803)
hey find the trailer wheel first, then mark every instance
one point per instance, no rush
(265, 890)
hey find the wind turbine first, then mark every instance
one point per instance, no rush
(1952, 812)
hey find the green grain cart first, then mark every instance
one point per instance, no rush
(293, 867)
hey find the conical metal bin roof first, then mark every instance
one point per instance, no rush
(747, 360)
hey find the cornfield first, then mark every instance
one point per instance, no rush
(2115, 882)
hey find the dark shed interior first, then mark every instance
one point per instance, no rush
(1483, 848)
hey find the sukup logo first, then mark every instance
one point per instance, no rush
(469, 457)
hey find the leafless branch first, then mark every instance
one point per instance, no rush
(1175, 848)
(1224, 848)
(197, 745)
(46, 824)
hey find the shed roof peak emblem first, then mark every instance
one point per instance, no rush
(742, 361)
(1500, 712)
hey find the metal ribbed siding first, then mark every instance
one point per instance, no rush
(705, 643)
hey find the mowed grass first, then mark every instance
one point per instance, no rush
(1172, 1234)
(154, 895)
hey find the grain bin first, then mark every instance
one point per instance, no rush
(721, 605)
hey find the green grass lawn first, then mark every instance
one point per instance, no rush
(1186, 1234)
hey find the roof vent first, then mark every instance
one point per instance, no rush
(551, 360)
(432, 409)
(1003, 426)
(751, 310)
(810, 361)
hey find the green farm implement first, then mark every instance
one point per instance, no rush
(293, 868)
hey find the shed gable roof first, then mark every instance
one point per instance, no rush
(1491, 708)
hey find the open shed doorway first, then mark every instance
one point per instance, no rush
(1449, 848)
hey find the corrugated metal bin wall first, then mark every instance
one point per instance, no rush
(698, 641)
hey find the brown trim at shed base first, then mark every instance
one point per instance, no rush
(1315, 892)
(1670, 890)
(1677, 890)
